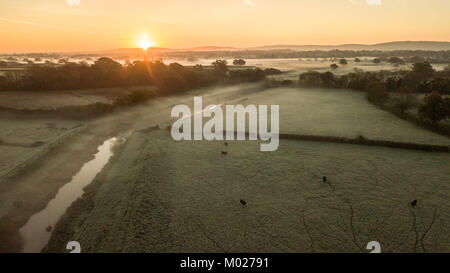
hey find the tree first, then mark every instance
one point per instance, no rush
(192, 59)
(198, 67)
(433, 108)
(446, 103)
(377, 93)
(106, 64)
(311, 78)
(239, 62)
(328, 79)
(63, 61)
(395, 61)
(393, 83)
(176, 67)
(106, 70)
(220, 67)
(357, 60)
(334, 66)
(416, 59)
(404, 100)
(423, 69)
(343, 61)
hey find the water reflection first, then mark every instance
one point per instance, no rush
(36, 232)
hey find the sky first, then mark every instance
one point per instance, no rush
(90, 25)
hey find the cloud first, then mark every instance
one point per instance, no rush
(44, 25)
(73, 2)
(249, 2)
(368, 2)
(374, 2)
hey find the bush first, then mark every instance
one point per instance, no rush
(377, 93)
(404, 100)
(134, 97)
(220, 67)
(313, 78)
(239, 62)
(395, 61)
(433, 108)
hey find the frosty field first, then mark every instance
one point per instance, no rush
(23, 139)
(343, 113)
(158, 195)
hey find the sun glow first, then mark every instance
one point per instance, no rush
(144, 42)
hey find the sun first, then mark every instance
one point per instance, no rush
(144, 42)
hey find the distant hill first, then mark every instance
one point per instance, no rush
(213, 48)
(403, 45)
(134, 50)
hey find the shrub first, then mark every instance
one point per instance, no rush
(239, 62)
(404, 100)
(377, 93)
(433, 108)
(334, 66)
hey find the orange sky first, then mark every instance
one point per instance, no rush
(65, 25)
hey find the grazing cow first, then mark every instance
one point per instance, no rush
(243, 203)
(324, 179)
(414, 203)
(224, 153)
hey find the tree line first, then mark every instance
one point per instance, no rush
(409, 56)
(105, 72)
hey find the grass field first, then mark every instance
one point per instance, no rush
(158, 195)
(342, 113)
